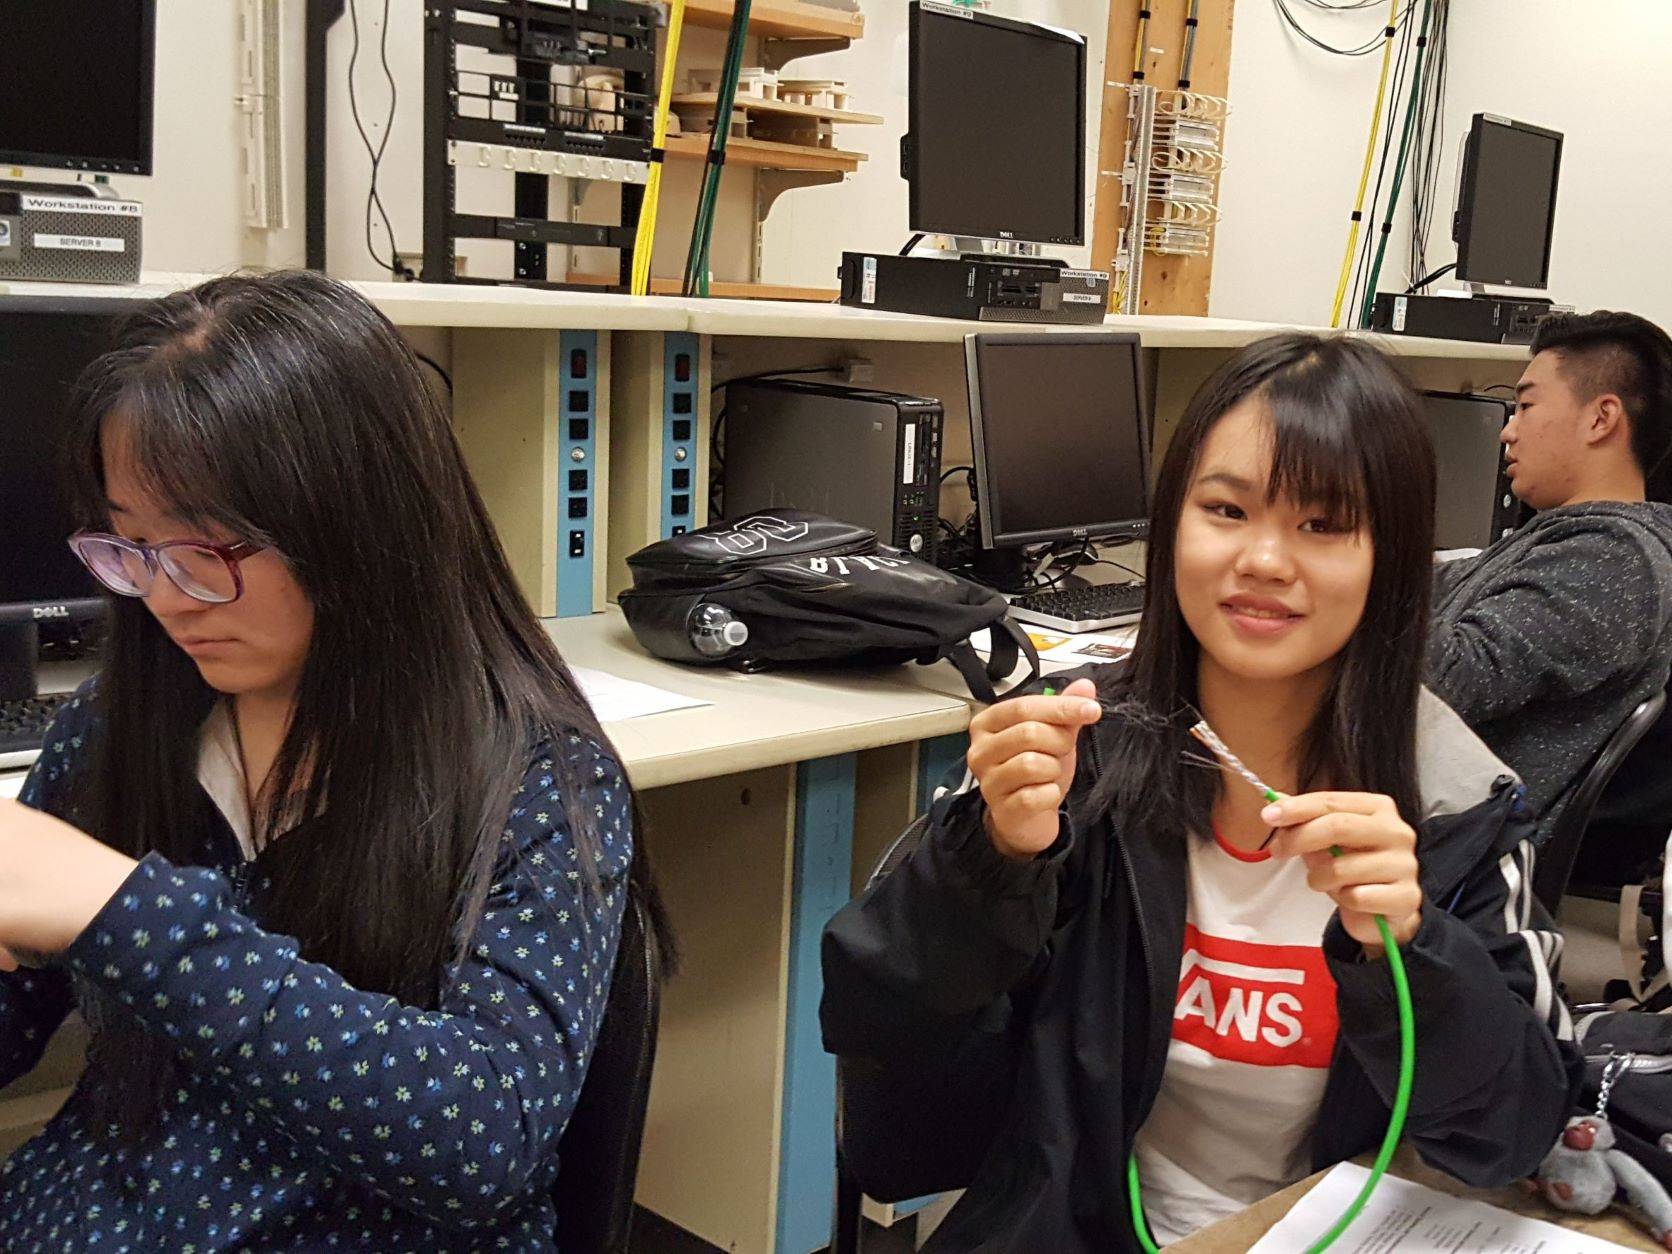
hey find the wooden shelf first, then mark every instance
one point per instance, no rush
(733, 291)
(761, 154)
(780, 19)
(707, 100)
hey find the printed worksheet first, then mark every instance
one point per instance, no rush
(1406, 1218)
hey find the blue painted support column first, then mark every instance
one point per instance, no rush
(824, 804)
(681, 381)
(578, 489)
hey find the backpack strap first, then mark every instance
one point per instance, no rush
(1630, 938)
(1009, 645)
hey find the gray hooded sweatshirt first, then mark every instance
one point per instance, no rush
(1547, 640)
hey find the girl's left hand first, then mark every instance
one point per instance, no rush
(1376, 870)
(53, 881)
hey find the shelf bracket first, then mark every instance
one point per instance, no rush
(771, 184)
(777, 53)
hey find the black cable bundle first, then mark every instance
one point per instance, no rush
(1363, 50)
(1430, 149)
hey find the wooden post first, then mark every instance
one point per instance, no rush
(1171, 285)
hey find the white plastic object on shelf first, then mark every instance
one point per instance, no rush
(754, 81)
(816, 93)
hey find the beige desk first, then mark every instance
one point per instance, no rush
(758, 720)
(1238, 1233)
(460, 305)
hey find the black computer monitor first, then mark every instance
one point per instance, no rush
(1060, 444)
(76, 84)
(995, 143)
(47, 342)
(1473, 504)
(1506, 203)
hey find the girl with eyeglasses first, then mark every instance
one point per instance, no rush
(333, 855)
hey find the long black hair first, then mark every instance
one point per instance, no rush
(289, 411)
(1346, 436)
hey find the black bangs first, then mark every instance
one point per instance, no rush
(172, 435)
(1315, 461)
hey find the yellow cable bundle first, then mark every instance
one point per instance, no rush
(644, 242)
(1369, 157)
(1138, 41)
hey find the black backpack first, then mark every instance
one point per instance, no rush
(1637, 1046)
(789, 588)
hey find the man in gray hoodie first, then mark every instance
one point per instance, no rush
(1548, 640)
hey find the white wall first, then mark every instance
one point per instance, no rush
(1596, 72)
(1294, 146)
(193, 215)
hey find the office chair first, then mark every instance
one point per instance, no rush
(599, 1153)
(844, 1236)
(900, 1137)
(1557, 856)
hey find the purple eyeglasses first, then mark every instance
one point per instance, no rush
(207, 572)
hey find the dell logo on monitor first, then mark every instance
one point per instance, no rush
(51, 611)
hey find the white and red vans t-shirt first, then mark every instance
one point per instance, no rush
(1254, 1028)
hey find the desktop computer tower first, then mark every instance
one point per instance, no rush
(862, 456)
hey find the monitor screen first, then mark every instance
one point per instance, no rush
(1469, 465)
(1060, 442)
(44, 354)
(77, 78)
(996, 135)
(1507, 204)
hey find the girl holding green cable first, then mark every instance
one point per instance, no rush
(1112, 979)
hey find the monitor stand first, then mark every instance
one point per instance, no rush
(19, 647)
(1004, 569)
(976, 248)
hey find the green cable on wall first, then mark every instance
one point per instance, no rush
(702, 229)
(1398, 168)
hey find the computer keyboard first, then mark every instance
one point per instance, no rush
(23, 724)
(1091, 608)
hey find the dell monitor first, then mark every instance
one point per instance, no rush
(1061, 448)
(1473, 504)
(48, 342)
(76, 84)
(1506, 203)
(995, 143)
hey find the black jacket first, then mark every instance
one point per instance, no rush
(1003, 1026)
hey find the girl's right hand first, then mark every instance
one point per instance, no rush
(1022, 753)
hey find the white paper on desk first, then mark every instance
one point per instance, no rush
(613, 698)
(1060, 646)
(1406, 1218)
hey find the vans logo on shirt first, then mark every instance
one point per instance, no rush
(1265, 1005)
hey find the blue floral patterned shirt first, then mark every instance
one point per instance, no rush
(313, 1115)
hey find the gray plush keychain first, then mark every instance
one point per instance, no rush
(1584, 1173)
